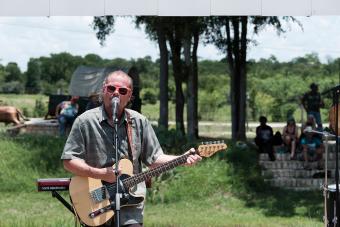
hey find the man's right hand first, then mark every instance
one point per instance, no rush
(109, 174)
(80, 168)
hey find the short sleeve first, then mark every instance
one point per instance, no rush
(151, 148)
(74, 146)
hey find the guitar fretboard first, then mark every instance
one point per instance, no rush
(140, 177)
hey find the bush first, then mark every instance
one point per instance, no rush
(171, 141)
(210, 102)
(14, 87)
(40, 109)
(149, 95)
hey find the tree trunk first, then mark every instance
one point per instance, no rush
(163, 80)
(195, 82)
(192, 106)
(137, 101)
(236, 55)
(175, 45)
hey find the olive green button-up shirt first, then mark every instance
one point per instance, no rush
(92, 139)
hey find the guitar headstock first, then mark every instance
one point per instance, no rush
(207, 149)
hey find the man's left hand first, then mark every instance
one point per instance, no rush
(193, 158)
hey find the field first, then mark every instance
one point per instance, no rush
(225, 190)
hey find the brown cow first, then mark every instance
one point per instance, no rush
(10, 114)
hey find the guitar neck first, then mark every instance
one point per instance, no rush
(140, 177)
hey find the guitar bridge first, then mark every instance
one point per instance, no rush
(98, 195)
(100, 211)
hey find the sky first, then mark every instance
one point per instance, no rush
(22, 38)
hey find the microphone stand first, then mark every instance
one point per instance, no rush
(325, 186)
(336, 102)
(118, 195)
(326, 135)
(335, 91)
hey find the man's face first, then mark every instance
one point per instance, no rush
(117, 85)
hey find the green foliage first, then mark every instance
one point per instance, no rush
(2, 74)
(235, 170)
(26, 158)
(206, 179)
(104, 25)
(243, 160)
(13, 72)
(149, 95)
(210, 102)
(40, 109)
(274, 88)
(226, 188)
(170, 140)
(13, 87)
(33, 77)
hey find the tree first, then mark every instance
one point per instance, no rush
(193, 28)
(2, 74)
(104, 25)
(156, 29)
(93, 60)
(229, 34)
(33, 76)
(13, 72)
(182, 34)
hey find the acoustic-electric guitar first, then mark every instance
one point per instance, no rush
(93, 199)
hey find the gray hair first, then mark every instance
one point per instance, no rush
(118, 72)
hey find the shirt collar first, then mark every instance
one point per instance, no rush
(102, 115)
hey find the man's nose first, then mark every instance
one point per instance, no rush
(115, 93)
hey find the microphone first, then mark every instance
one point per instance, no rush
(115, 106)
(308, 129)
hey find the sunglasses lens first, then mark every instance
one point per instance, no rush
(122, 91)
(111, 89)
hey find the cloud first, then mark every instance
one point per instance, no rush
(25, 37)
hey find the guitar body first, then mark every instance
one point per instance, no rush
(80, 191)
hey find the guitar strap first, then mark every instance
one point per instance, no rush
(132, 148)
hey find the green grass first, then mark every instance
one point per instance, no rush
(152, 112)
(225, 190)
(22, 101)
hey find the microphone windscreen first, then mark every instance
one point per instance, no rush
(308, 129)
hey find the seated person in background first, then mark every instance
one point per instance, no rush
(66, 113)
(312, 148)
(311, 123)
(290, 136)
(93, 101)
(264, 137)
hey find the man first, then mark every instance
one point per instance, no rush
(264, 138)
(312, 103)
(66, 112)
(89, 149)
